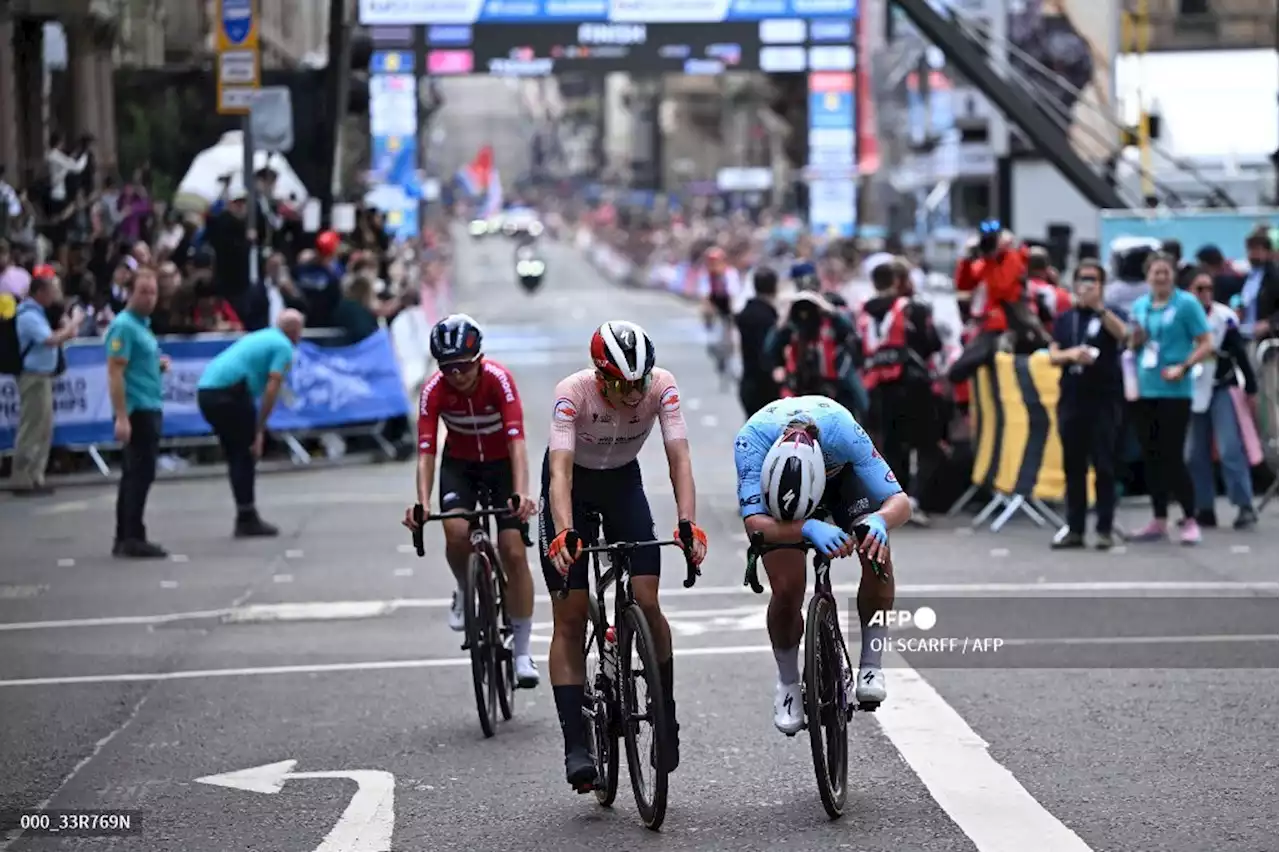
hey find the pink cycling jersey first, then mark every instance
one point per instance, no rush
(603, 437)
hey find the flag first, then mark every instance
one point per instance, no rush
(493, 195)
(475, 176)
(403, 174)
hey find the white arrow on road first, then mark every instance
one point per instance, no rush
(367, 823)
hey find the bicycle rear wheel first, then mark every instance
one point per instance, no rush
(824, 703)
(598, 712)
(480, 617)
(651, 795)
(504, 650)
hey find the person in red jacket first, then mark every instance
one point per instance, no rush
(993, 278)
(1050, 300)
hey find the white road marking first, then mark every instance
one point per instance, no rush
(1239, 548)
(293, 554)
(693, 404)
(710, 421)
(179, 557)
(62, 508)
(999, 552)
(405, 548)
(338, 611)
(321, 668)
(365, 826)
(403, 572)
(282, 578)
(980, 796)
(168, 584)
(697, 591)
(66, 563)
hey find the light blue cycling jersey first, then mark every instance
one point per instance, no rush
(843, 442)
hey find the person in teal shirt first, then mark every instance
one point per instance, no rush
(228, 393)
(1170, 337)
(134, 367)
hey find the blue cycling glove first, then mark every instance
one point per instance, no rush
(828, 538)
(876, 529)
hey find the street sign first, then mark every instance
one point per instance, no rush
(239, 59)
(365, 826)
(272, 119)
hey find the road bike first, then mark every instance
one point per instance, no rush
(610, 708)
(828, 672)
(488, 624)
(720, 346)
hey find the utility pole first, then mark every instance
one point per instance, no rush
(337, 89)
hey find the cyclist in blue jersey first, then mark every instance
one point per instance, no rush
(801, 457)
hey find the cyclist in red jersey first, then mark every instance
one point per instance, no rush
(484, 450)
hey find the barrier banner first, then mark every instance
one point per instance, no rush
(1014, 414)
(327, 387)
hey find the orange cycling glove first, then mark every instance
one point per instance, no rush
(566, 540)
(699, 537)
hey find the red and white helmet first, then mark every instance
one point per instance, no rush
(622, 350)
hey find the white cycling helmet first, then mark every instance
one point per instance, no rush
(793, 477)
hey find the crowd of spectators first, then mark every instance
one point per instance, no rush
(92, 234)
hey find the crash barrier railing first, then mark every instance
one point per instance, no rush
(1013, 410)
(1267, 360)
(351, 389)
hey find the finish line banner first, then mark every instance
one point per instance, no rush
(327, 387)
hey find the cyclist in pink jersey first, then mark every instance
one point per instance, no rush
(601, 419)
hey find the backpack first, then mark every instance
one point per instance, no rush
(10, 355)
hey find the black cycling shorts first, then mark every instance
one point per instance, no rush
(618, 496)
(461, 483)
(844, 500)
(722, 304)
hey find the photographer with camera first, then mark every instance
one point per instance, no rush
(815, 350)
(994, 275)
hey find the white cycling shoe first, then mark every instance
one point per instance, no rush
(788, 708)
(526, 672)
(457, 617)
(871, 685)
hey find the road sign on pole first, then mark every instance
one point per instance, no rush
(272, 119)
(239, 56)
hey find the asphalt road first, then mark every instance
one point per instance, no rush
(121, 684)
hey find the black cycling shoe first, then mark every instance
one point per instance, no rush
(580, 770)
(671, 751)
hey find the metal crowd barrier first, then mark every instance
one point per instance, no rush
(1267, 362)
(292, 439)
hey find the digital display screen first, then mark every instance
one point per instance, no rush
(775, 45)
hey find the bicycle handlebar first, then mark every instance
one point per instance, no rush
(684, 542)
(759, 548)
(421, 517)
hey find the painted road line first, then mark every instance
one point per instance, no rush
(979, 795)
(365, 826)
(322, 608)
(452, 662)
(337, 611)
(321, 668)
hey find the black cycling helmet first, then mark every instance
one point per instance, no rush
(457, 337)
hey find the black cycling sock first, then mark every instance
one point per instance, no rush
(667, 677)
(569, 709)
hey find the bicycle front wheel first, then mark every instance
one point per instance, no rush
(504, 650)
(638, 661)
(824, 703)
(480, 618)
(598, 711)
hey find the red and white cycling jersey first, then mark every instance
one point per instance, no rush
(480, 424)
(603, 437)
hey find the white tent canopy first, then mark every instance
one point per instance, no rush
(201, 185)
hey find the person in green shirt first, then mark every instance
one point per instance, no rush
(134, 367)
(253, 368)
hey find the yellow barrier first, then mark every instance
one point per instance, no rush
(1017, 449)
